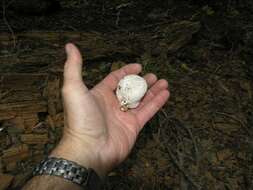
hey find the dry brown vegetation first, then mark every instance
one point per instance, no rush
(201, 139)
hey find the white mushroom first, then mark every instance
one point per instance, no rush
(130, 91)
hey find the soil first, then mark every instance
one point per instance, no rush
(203, 136)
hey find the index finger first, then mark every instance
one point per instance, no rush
(114, 77)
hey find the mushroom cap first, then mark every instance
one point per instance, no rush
(131, 90)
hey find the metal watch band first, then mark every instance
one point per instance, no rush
(69, 170)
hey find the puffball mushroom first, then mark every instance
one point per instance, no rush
(131, 89)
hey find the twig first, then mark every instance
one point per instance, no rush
(192, 139)
(118, 18)
(194, 144)
(187, 177)
(8, 25)
(235, 119)
(4, 94)
(178, 163)
(183, 181)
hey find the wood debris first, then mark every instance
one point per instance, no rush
(5, 181)
(15, 153)
(34, 138)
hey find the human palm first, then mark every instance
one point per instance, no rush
(94, 123)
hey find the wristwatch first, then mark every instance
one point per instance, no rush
(69, 170)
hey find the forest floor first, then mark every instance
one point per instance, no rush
(203, 136)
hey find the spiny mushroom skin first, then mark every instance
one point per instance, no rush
(130, 91)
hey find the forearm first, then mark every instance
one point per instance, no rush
(46, 182)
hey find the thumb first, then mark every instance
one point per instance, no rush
(73, 65)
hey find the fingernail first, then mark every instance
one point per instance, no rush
(68, 48)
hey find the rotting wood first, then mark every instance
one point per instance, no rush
(44, 51)
(19, 87)
(15, 125)
(11, 110)
(15, 153)
(5, 181)
(30, 121)
(11, 166)
(56, 121)
(33, 76)
(53, 94)
(34, 138)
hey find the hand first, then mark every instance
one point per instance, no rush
(97, 133)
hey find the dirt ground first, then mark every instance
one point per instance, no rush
(202, 138)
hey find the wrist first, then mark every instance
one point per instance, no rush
(71, 149)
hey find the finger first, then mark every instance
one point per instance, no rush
(73, 66)
(151, 108)
(153, 91)
(114, 77)
(150, 78)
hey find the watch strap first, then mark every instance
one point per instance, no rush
(69, 170)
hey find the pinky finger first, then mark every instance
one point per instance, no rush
(151, 108)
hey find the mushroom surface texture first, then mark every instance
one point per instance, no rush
(130, 91)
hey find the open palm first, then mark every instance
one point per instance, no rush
(100, 134)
